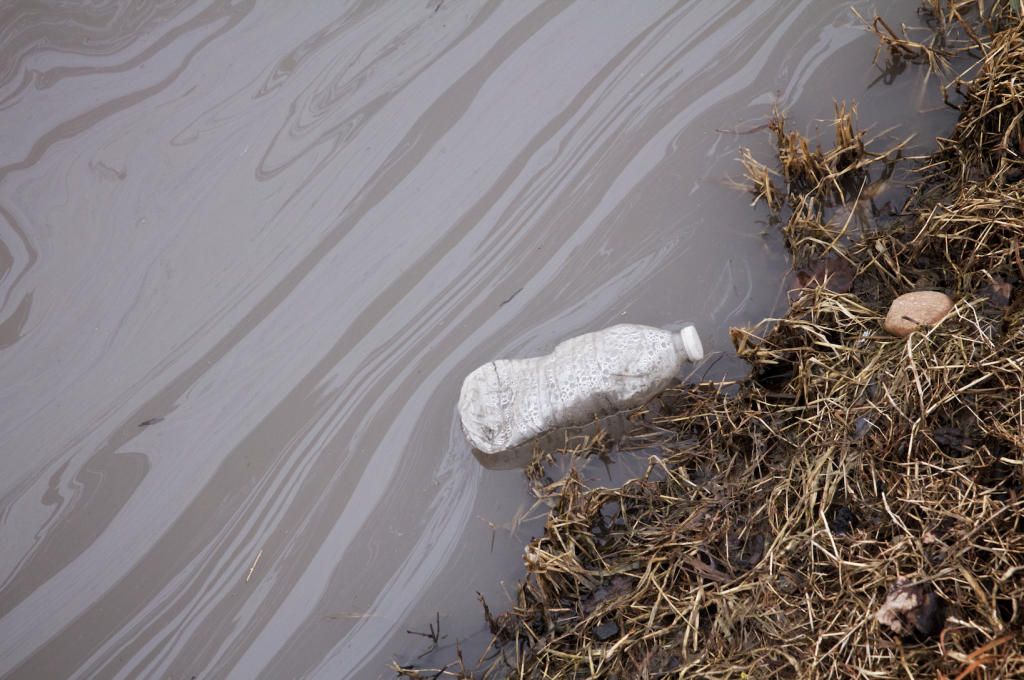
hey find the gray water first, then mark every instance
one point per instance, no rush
(281, 233)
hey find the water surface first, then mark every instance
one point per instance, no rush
(249, 250)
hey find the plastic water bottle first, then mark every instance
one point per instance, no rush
(508, 402)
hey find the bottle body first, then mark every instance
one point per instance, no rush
(508, 402)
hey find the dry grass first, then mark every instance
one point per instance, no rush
(765, 534)
(985, 148)
(776, 513)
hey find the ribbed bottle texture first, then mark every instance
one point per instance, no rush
(510, 401)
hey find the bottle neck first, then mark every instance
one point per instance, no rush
(687, 343)
(677, 342)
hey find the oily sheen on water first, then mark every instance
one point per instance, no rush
(508, 402)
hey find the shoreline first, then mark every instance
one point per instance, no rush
(854, 505)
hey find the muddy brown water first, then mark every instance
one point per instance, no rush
(249, 250)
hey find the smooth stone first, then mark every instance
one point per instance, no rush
(922, 307)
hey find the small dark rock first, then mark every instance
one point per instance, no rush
(861, 427)
(619, 585)
(606, 631)
(843, 521)
(952, 439)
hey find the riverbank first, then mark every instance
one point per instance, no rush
(853, 507)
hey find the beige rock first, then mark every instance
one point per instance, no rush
(922, 307)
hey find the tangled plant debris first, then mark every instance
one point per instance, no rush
(852, 508)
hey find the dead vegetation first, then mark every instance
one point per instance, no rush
(853, 508)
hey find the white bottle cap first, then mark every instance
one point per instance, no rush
(691, 344)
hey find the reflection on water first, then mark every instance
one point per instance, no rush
(249, 250)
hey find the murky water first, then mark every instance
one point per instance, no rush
(249, 250)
